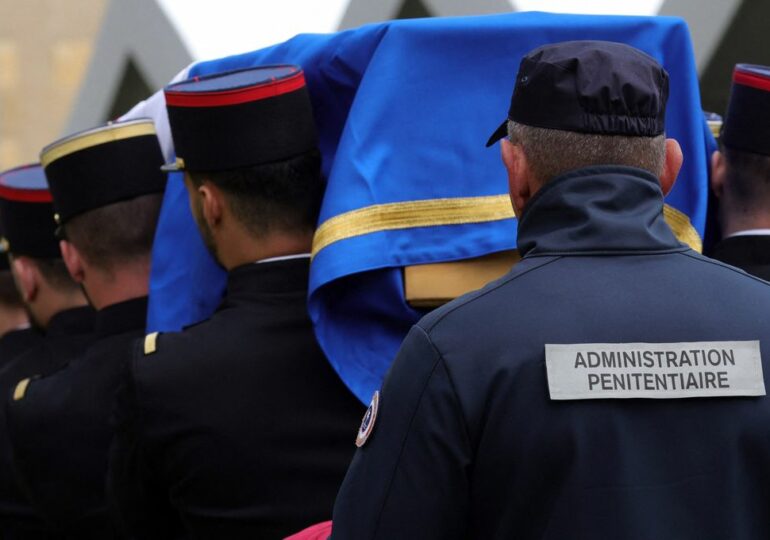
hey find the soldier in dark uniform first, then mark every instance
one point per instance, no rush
(55, 303)
(740, 177)
(238, 425)
(16, 332)
(549, 404)
(107, 190)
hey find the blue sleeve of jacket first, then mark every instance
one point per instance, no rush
(411, 477)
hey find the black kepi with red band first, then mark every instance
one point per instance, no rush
(747, 123)
(240, 118)
(104, 165)
(26, 213)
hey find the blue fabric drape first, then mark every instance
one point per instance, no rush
(404, 109)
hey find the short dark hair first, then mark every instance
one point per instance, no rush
(281, 195)
(748, 177)
(117, 233)
(552, 152)
(54, 271)
(9, 294)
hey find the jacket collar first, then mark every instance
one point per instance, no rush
(72, 322)
(596, 210)
(268, 278)
(121, 317)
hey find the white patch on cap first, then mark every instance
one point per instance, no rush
(367, 424)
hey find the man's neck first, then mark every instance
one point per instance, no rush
(56, 303)
(236, 252)
(735, 222)
(105, 289)
(13, 318)
(736, 215)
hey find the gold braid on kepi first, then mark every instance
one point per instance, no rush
(104, 165)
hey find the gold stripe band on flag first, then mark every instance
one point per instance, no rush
(450, 211)
(81, 141)
(683, 229)
(410, 214)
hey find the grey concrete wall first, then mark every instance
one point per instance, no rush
(708, 21)
(368, 11)
(136, 29)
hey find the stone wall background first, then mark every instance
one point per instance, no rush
(45, 47)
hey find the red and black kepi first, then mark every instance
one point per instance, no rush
(747, 123)
(240, 118)
(26, 213)
(108, 164)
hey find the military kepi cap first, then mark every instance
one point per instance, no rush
(747, 124)
(240, 118)
(26, 213)
(104, 165)
(597, 87)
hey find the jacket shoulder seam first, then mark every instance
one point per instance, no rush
(707, 260)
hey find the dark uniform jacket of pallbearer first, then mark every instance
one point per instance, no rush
(16, 342)
(468, 442)
(749, 252)
(238, 425)
(61, 428)
(68, 334)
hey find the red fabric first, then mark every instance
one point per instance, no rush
(751, 79)
(321, 531)
(236, 95)
(25, 195)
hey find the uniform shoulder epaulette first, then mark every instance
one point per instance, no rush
(21, 389)
(151, 343)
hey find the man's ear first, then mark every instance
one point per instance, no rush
(671, 165)
(27, 278)
(192, 191)
(519, 181)
(718, 173)
(73, 260)
(212, 203)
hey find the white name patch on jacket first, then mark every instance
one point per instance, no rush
(654, 370)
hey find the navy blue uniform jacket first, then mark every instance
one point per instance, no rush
(66, 337)
(15, 342)
(238, 426)
(468, 444)
(749, 252)
(61, 429)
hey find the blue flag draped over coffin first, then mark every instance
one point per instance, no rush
(404, 109)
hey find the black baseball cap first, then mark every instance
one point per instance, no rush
(599, 87)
